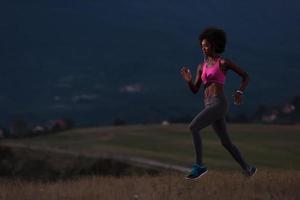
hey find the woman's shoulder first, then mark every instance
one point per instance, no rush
(200, 67)
(226, 62)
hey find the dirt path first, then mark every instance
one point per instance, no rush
(131, 160)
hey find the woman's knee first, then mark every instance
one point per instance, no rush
(193, 128)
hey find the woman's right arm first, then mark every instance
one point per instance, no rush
(185, 72)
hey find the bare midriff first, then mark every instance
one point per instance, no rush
(212, 89)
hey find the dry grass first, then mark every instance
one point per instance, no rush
(266, 184)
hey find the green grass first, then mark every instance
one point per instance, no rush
(270, 146)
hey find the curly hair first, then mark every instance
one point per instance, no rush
(216, 37)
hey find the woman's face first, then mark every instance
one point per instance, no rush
(206, 47)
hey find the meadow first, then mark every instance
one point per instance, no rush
(272, 148)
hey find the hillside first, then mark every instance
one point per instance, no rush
(267, 146)
(272, 148)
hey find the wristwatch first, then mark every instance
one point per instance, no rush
(240, 92)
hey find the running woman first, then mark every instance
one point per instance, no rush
(212, 73)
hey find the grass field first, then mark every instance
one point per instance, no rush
(273, 149)
(269, 146)
(266, 185)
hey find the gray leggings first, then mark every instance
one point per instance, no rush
(214, 113)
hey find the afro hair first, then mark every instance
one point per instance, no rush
(216, 37)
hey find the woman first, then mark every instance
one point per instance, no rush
(212, 73)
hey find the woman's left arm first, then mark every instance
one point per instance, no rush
(245, 80)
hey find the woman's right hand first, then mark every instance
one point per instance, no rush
(186, 74)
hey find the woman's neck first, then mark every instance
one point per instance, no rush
(212, 59)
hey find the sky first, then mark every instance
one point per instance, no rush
(85, 58)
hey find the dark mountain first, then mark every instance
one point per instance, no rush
(96, 61)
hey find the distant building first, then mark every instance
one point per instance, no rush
(165, 123)
(287, 113)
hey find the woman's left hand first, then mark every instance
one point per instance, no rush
(237, 98)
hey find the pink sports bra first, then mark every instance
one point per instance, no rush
(213, 74)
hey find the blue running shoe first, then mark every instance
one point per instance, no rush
(197, 171)
(251, 170)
